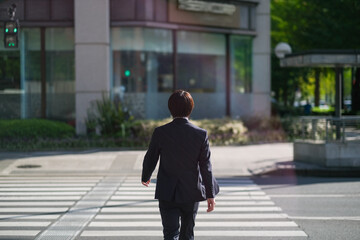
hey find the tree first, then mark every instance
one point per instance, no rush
(311, 24)
(356, 92)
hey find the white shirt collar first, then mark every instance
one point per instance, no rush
(183, 118)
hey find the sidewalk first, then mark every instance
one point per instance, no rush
(227, 161)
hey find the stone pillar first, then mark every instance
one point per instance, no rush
(92, 55)
(261, 62)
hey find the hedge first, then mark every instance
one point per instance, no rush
(224, 131)
(40, 134)
(35, 128)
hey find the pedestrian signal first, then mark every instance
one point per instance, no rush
(127, 73)
(11, 33)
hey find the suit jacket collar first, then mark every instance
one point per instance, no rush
(180, 120)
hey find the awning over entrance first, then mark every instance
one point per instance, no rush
(322, 58)
(337, 59)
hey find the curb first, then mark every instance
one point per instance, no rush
(299, 169)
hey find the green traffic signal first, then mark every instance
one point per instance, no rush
(127, 73)
(11, 34)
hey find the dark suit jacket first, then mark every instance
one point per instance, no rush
(185, 173)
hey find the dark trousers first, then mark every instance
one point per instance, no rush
(170, 214)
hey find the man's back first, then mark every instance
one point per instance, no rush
(185, 175)
(179, 179)
(185, 169)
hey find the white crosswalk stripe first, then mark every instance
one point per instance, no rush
(242, 210)
(199, 216)
(38, 207)
(29, 189)
(210, 233)
(29, 205)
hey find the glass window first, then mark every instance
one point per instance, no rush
(20, 76)
(142, 60)
(60, 74)
(252, 18)
(30, 72)
(244, 17)
(10, 83)
(241, 63)
(200, 61)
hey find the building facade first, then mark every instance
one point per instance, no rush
(72, 52)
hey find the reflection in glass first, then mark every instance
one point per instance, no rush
(31, 72)
(60, 74)
(241, 63)
(142, 60)
(201, 70)
(142, 69)
(10, 87)
(201, 61)
(20, 76)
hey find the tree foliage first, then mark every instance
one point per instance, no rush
(316, 24)
(306, 25)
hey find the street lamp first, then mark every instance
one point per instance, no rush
(282, 49)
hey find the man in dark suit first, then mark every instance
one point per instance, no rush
(185, 175)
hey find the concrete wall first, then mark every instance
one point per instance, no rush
(257, 102)
(261, 62)
(328, 154)
(92, 55)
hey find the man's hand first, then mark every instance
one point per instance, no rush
(211, 204)
(146, 184)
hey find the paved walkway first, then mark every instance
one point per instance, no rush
(227, 161)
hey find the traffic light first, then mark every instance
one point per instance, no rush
(11, 33)
(127, 73)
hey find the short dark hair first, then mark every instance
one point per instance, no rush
(180, 104)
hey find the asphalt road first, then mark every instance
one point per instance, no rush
(325, 208)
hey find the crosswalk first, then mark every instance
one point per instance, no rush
(87, 208)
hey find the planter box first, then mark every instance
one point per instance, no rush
(328, 154)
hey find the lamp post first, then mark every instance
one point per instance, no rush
(282, 49)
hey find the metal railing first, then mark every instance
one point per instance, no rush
(330, 129)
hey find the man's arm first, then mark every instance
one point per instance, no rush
(150, 160)
(206, 172)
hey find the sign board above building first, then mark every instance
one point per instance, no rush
(202, 13)
(207, 7)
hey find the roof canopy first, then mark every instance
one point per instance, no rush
(322, 58)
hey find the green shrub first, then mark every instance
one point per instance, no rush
(221, 131)
(110, 117)
(317, 111)
(286, 111)
(141, 130)
(273, 129)
(292, 127)
(39, 134)
(224, 131)
(35, 128)
(75, 143)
